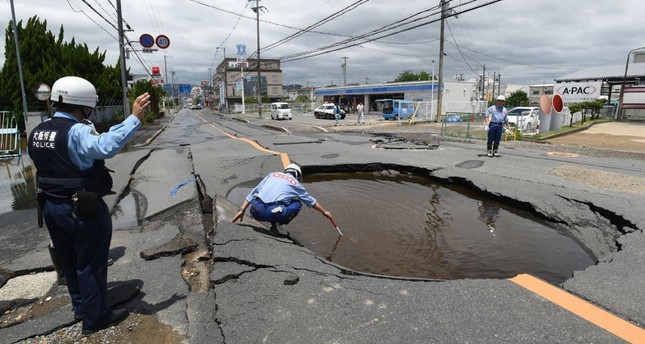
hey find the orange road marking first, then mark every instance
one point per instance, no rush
(599, 317)
(284, 157)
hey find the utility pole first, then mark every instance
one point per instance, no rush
(222, 97)
(172, 91)
(483, 83)
(210, 89)
(444, 7)
(257, 9)
(165, 68)
(124, 84)
(432, 107)
(344, 68)
(20, 73)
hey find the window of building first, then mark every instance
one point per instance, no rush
(274, 78)
(275, 90)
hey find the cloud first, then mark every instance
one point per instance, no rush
(527, 42)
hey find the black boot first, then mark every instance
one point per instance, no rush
(57, 261)
(489, 150)
(495, 146)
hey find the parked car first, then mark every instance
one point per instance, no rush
(280, 111)
(524, 118)
(328, 111)
(196, 107)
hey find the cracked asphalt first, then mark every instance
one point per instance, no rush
(191, 276)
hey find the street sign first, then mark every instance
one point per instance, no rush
(146, 40)
(163, 41)
(148, 50)
(241, 49)
(184, 88)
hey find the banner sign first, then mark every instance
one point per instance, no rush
(576, 92)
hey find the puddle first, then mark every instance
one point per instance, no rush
(406, 225)
(130, 210)
(17, 187)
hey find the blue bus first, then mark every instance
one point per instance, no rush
(397, 108)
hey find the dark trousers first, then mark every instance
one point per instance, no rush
(494, 136)
(264, 211)
(83, 246)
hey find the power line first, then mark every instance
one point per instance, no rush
(239, 18)
(459, 49)
(129, 42)
(88, 17)
(112, 16)
(262, 20)
(99, 14)
(323, 21)
(393, 26)
(405, 21)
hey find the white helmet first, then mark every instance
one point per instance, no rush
(294, 170)
(74, 90)
(502, 98)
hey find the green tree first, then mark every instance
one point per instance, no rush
(408, 76)
(595, 106)
(517, 98)
(45, 58)
(302, 98)
(156, 95)
(574, 108)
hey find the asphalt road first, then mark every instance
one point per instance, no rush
(241, 284)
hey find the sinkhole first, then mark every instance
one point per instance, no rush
(407, 225)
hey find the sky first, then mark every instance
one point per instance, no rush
(526, 41)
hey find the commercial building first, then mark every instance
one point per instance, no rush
(458, 96)
(609, 79)
(234, 80)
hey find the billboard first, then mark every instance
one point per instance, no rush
(576, 92)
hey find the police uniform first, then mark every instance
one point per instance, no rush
(498, 117)
(278, 198)
(72, 178)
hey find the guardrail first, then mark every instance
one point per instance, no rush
(9, 136)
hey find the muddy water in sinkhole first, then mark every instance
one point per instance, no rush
(407, 225)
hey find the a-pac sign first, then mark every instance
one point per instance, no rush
(576, 92)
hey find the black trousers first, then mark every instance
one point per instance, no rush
(84, 246)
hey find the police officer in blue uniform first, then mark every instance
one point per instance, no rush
(72, 179)
(278, 198)
(496, 119)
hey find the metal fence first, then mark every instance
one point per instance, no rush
(471, 126)
(463, 124)
(9, 136)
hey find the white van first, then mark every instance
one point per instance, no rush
(280, 111)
